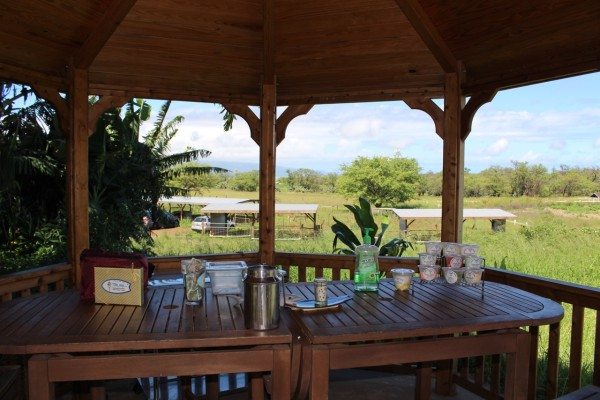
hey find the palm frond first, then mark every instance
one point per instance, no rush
(183, 157)
(153, 136)
(169, 130)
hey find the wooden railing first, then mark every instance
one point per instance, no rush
(478, 375)
(38, 280)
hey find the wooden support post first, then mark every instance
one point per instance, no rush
(266, 193)
(268, 144)
(77, 171)
(453, 168)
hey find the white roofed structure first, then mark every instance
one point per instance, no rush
(497, 216)
(200, 201)
(310, 210)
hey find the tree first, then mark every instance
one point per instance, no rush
(386, 181)
(32, 171)
(302, 180)
(244, 181)
(528, 180)
(128, 177)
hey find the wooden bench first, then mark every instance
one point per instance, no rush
(589, 392)
(10, 382)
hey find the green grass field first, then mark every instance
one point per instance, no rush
(551, 238)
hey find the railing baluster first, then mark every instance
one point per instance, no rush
(596, 376)
(495, 375)
(534, 332)
(576, 348)
(301, 273)
(318, 271)
(552, 371)
(336, 274)
(479, 363)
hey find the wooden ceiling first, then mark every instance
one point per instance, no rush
(324, 50)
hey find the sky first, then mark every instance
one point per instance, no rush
(553, 124)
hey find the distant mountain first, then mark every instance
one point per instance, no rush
(241, 166)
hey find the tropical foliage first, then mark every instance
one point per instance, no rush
(32, 154)
(363, 215)
(127, 176)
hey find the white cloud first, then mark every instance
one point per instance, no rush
(530, 156)
(499, 146)
(598, 142)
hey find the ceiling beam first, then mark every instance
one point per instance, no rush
(420, 21)
(104, 28)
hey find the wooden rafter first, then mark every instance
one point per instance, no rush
(248, 115)
(420, 21)
(59, 103)
(468, 112)
(117, 11)
(286, 117)
(432, 109)
(101, 106)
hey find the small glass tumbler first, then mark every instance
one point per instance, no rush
(320, 292)
(194, 272)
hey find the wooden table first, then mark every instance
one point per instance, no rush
(69, 340)
(427, 324)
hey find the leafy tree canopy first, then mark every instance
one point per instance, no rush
(387, 181)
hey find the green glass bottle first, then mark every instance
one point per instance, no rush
(366, 271)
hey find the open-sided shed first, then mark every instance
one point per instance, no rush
(289, 53)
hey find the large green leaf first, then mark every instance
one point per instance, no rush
(344, 234)
(395, 247)
(364, 217)
(385, 223)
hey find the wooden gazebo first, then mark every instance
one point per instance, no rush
(289, 53)
(272, 53)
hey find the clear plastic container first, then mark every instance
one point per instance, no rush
(429, 273)
(226, 277)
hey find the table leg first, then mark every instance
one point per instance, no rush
(281, 388)
(256, 386)
(423, 382)
(517, 369)
(319, 376)
(212, 387)
(40, 387)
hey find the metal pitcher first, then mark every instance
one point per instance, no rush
(261, 297)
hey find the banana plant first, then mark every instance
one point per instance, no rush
(363, 215)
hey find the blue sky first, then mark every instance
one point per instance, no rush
(553, 123)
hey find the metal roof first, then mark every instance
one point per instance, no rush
(252, 208)
(200, 201)
(473, 213)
